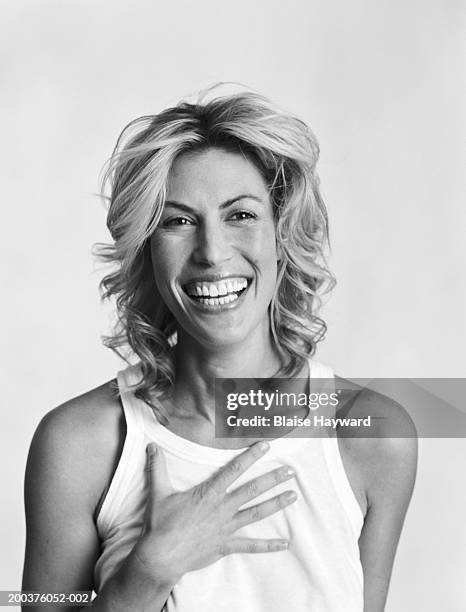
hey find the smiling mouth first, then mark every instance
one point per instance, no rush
(219, 293)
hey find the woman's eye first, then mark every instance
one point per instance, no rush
(243, 215)
(176, 221)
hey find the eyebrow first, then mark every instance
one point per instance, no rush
(226, 204)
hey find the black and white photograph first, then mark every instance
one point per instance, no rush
(233, 306)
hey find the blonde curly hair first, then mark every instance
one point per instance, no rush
(285, 151)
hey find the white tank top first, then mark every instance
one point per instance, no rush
(319, 572)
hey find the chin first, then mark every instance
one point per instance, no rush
(220, 341)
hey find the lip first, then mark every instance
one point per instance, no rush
(213, 278)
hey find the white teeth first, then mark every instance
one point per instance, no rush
(213, 290)
(218, 301)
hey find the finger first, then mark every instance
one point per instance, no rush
(230, 472)
(259, 485)
(159, 481)
(253, 546)
(260, 511)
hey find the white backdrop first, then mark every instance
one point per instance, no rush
(381, 85)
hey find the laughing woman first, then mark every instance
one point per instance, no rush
(219, 232)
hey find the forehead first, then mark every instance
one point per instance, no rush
(214, 174)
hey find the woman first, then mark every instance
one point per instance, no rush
(219, 230)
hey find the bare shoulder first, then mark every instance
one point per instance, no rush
(382, 457)
(70, 463)
(85, 434)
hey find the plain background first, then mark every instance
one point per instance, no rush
(381, 85)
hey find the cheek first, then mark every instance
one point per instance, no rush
(262, 254)
(264, 251)
(165, 262)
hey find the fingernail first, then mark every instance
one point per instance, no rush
(290, 496)
(287, 471)
(263, 446)
(284, 544)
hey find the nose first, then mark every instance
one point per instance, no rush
(212, 245)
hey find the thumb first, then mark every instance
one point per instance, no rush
(158, 479)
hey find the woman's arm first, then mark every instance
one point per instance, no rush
(62, 544)
(388, 501)
(72, 457)
(388, 471)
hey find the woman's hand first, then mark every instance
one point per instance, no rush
(192, 529)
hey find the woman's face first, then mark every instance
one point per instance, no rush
(214, 251)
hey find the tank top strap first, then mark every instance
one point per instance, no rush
(319, 370)
(133, 443)
(333, 456)
(323, 374)
(132, 406)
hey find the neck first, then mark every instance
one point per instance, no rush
(197, 367)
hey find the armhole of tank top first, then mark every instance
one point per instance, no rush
(133, 440)
(335, 465)
(341, 483)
